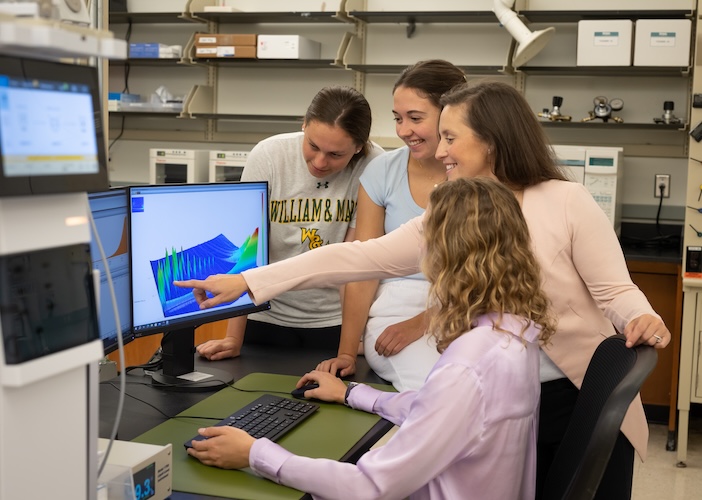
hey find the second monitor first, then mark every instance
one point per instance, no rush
(109, 211)
(191, 231)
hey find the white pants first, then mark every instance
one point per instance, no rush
(398, 301)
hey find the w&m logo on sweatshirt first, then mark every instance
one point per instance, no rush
(311, 234)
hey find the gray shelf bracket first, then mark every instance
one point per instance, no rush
(411, 28)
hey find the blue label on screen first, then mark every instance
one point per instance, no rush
(137, 204)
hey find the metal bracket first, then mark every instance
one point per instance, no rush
(411, 27)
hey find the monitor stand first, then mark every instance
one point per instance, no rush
(178, 369)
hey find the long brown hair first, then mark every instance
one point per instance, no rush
(501, 118)
(346, 108)
(431, 79)
(479, 259)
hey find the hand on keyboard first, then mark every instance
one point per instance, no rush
(269, 416)
(223, 447)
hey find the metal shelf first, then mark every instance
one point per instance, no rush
(143, 61)
(656, 71)
(269, 17)
(271, 63)
(426, 17)
(571, 16)
(250, 118)
(392, 69)
(150, 18)
(147, 114)
(212, 116)
(598, 125)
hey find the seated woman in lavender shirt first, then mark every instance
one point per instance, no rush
(471, 429)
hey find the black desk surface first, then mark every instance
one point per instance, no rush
(138, 416)
(651, 243)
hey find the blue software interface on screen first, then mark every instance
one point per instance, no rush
(48, 128)
(180, 232)
(109, 210)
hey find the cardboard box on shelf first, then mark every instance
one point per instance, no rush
(236, 52)
(208, 40)
(287, 47)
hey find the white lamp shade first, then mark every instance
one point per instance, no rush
(528, 44)
(531, 45)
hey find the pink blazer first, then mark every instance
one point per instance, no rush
(583, 268)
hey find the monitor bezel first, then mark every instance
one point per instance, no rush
(64, 183)
(206, 315)
(111, 344)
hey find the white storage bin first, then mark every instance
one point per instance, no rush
(604, 43)
(287, 47)
(662, 42)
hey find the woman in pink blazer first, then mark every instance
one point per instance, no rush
(488, 129)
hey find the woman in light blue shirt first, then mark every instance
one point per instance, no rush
(395, 187)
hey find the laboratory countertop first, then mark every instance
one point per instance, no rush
(646, 242)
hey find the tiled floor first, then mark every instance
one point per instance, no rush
(659, 478)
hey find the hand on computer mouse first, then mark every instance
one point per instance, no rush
(299, 392)
(329, 388)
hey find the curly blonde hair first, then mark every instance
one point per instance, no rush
(479, 260)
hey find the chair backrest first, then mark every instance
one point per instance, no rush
(612, 380)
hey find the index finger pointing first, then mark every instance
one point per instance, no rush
(190, 283)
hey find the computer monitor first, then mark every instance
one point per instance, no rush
(184, 231)
(109, 211)
(51, 134)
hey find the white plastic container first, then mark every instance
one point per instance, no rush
(605, 43)
(287, 47)
(662, 42)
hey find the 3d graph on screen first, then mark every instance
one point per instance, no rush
(216, 256)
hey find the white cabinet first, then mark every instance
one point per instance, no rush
(690, 384)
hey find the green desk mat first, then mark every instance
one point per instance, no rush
(330, 433)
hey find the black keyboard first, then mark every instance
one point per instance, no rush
(269, 416)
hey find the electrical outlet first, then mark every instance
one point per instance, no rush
(661, 180)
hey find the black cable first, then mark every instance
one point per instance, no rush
(154, 363)
(662, 240)
(156, 408)
(121, 132)
(189, 416)
(127, 67)
(661, 189)
(125, 90)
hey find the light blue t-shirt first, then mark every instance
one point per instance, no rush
(387, 184)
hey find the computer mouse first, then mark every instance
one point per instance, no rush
(300, 393)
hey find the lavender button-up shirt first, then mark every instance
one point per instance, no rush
(469, 432)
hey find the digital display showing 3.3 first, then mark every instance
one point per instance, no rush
(144, 482)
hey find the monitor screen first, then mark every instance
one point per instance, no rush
(186, 231)
(47, 302)
(109, 211)
(51, 138)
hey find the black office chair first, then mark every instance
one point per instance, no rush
(612, 380)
